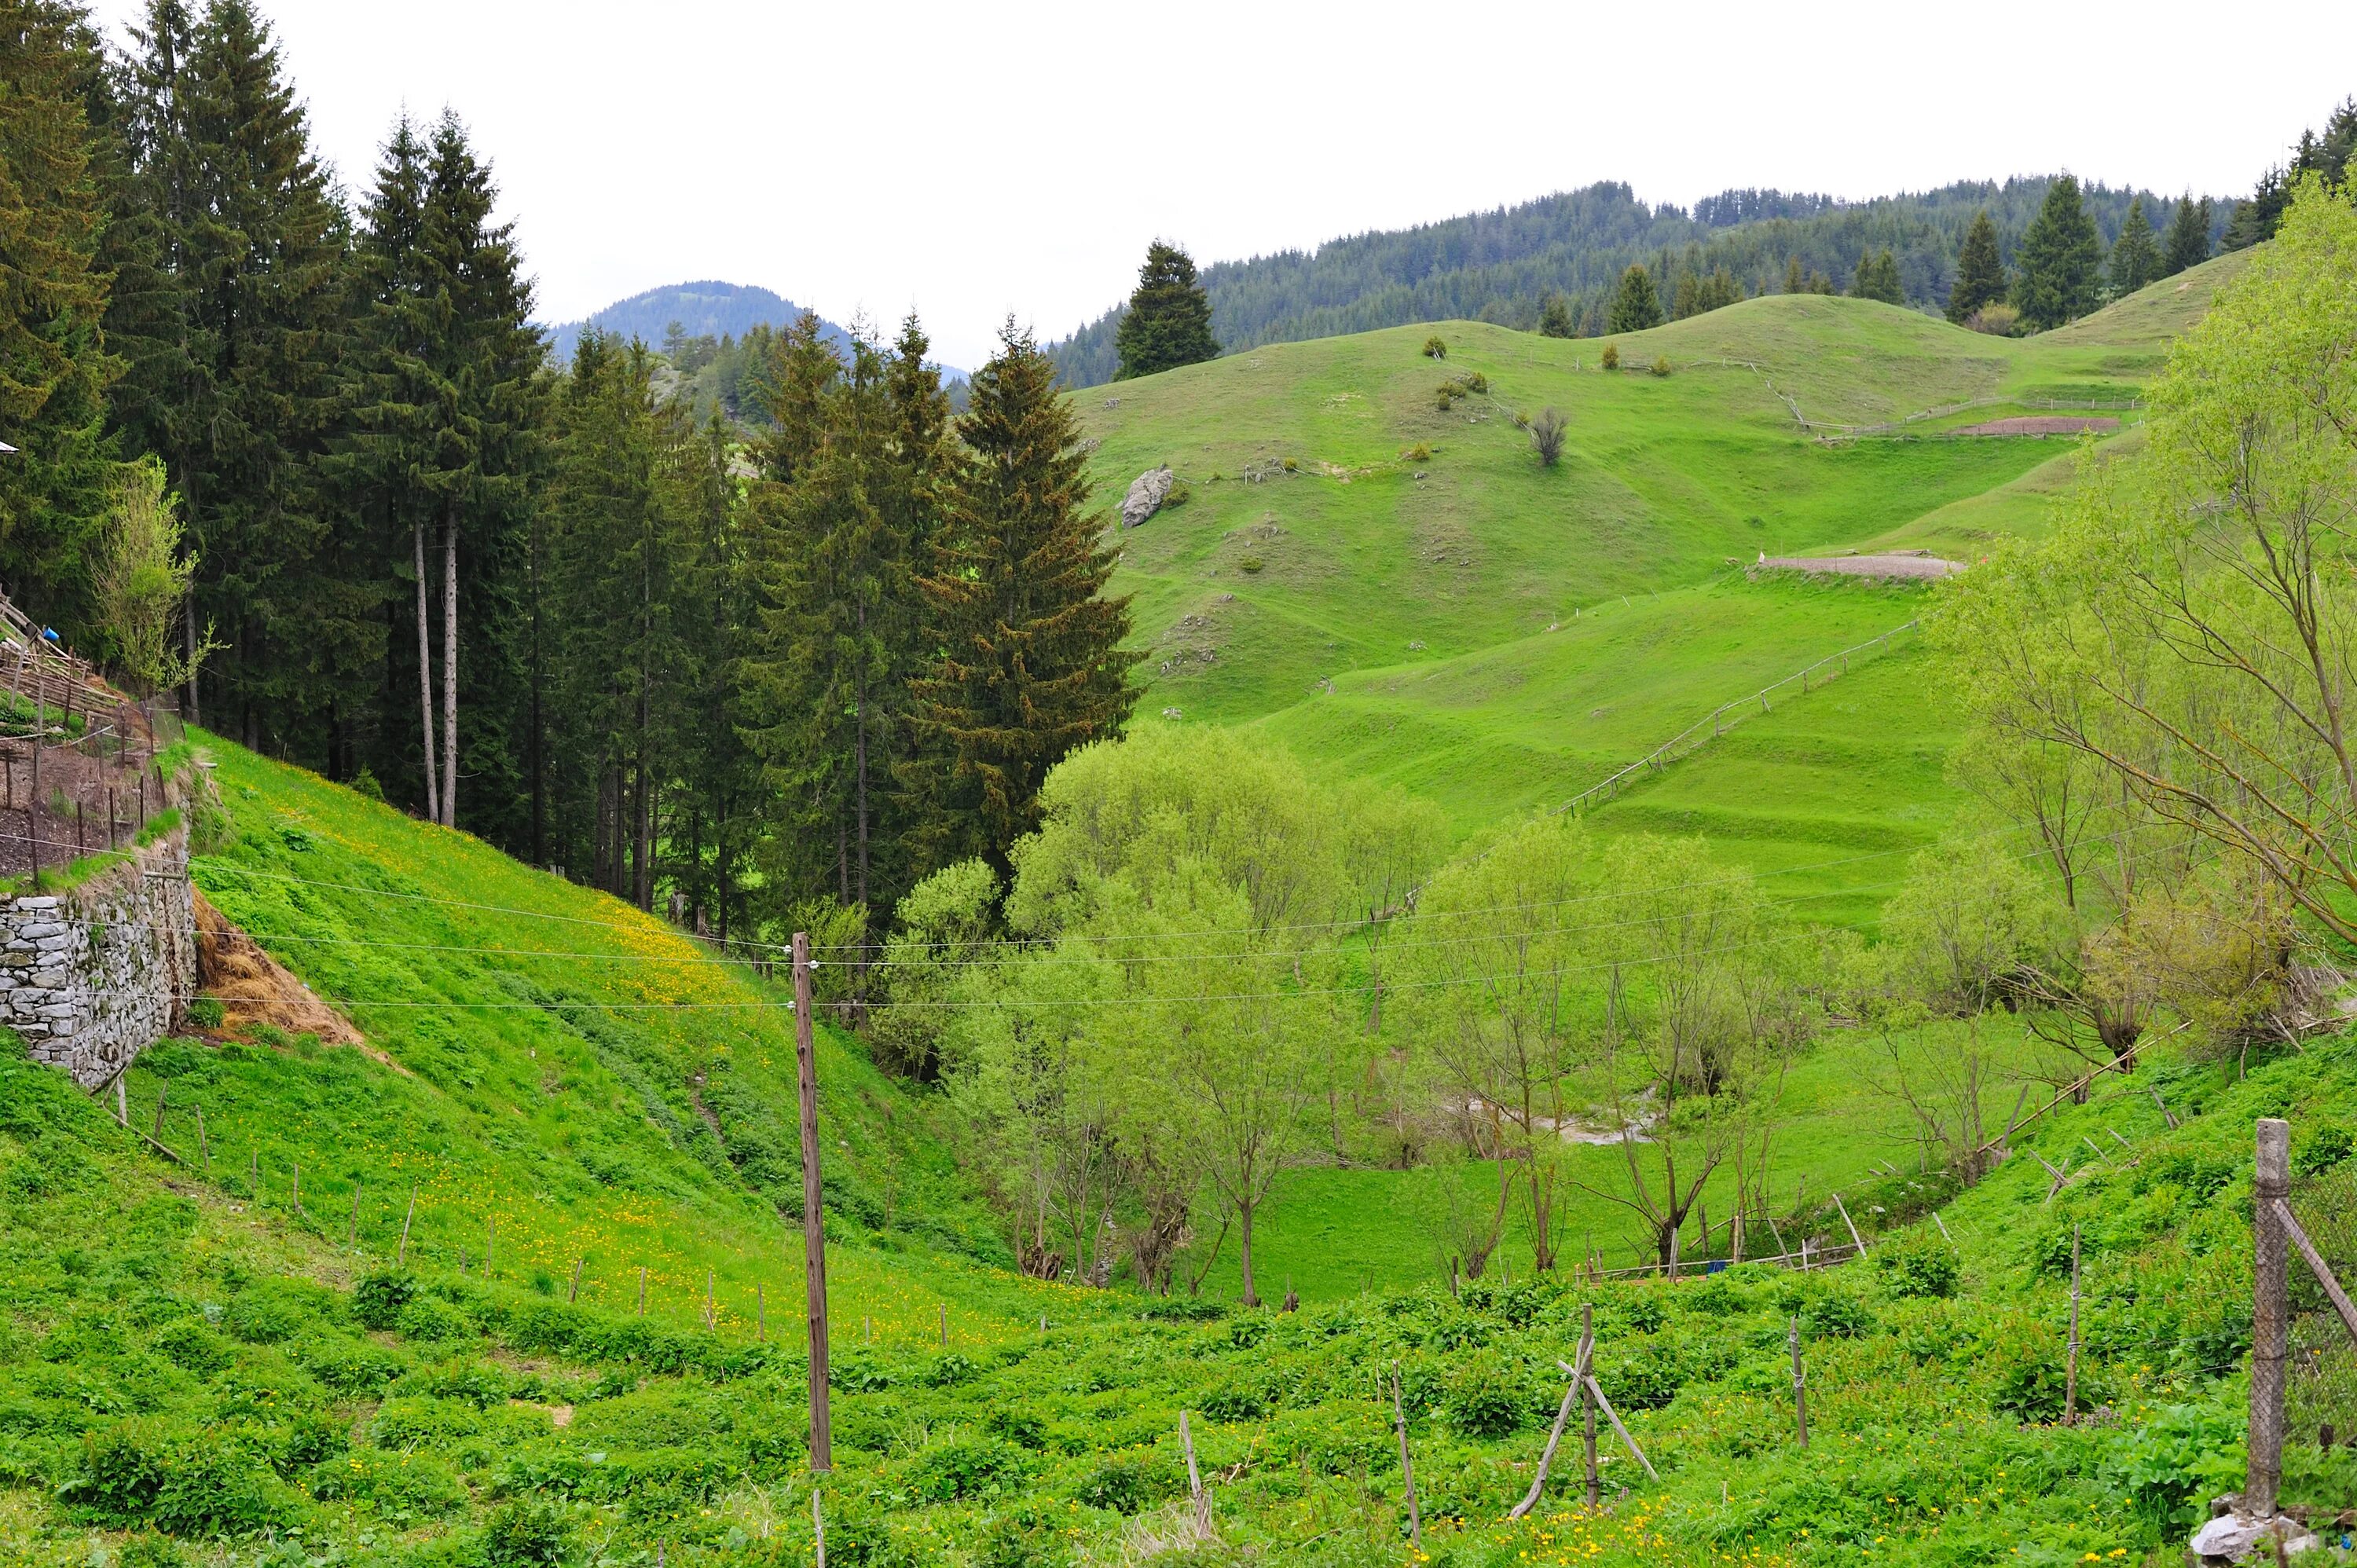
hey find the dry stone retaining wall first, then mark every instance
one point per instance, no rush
(93, 976)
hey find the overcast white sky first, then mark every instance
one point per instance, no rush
(976, 159)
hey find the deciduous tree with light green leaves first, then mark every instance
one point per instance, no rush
(2191, 629)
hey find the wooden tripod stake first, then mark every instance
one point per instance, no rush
(2070, 1369)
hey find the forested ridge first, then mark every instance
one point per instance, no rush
(1504, 266)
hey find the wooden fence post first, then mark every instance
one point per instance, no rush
(818, 1526)
(1853, 1236)
(2070, 1365)
(1408, 1467)
(573, 1291)
(401, 1253)
(642, 1290)
(491, 1241)
(1800, 1382)
(821, 1441)
(1196, 1498)
(1595, 1476)
(2271, 1184)
(162, 1094)
(353, 1227)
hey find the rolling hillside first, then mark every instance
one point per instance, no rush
(1395, 588)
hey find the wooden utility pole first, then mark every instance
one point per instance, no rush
(821, 1443)
(2270, 1337)
(2070, 1365)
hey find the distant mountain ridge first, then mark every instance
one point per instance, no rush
(1501, 265)
(708, 307)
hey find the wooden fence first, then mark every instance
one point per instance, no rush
(1726, 717)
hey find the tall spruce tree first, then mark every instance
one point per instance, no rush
(232, 331)
(1031, 662)
(2136, 256)
(2060, 259)
(1555, 319)
(1169, 322)
(54, 364)
(1980, 271)
(2188, 243)
(1636, 306)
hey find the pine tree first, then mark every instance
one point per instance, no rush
(1032, 663)
(1878, 278)
(790, 388)
(1795, 280)
(2136, 256)
(2060, 259)
(2187, 245)
(54, 364)
(1686, 298)
(1555, 320)
(1636, 306)
(1169, 322)
(1980, 271)
(230, 332)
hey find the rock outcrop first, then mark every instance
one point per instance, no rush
(1146, 494)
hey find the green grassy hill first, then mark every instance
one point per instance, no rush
(1396, 589)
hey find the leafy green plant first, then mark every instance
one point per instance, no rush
(1659, 366)
(2178, 1460)
(1613, 356)
(526, 1533)
(1434, 348)
(206, 1013)
(378, 1297)
(1918, 1266)
(1250, 564)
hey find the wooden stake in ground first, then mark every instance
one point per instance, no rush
(1200, 1499)
(491, 1241)
(818, 1527)
(401, 1253)
(1572, 1390)
(821, 1439)
(205, 1148)
(1595, 1475)
(761, 1315)
(1800, 1382)
(1853, 1236)
(1595, 1391)
(945, 1325)
(642, 1290)
(573, 1291)
(121, 1099)
(353, 1227)
(162, 1094)
(2271, 1184)
(708, 1307)
(1407, 1469)
(298, 1187)
(2071, 1364)
(1943, 1224)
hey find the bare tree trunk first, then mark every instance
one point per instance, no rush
(450, 669)
(425, 674)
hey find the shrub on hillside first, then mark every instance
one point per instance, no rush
(1836, 1317)
(1434, 348)
(378, 1297)
(1546, 437)
(968, 1467)
(1613, 356)
(1661, 366)
(1131, 1483)
(1482, 1402)
(1918, 1266)
(2321, 1149)
(1997, 320)
(525, 1533)
(1182, 1309)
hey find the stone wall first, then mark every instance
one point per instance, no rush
(93, 977)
